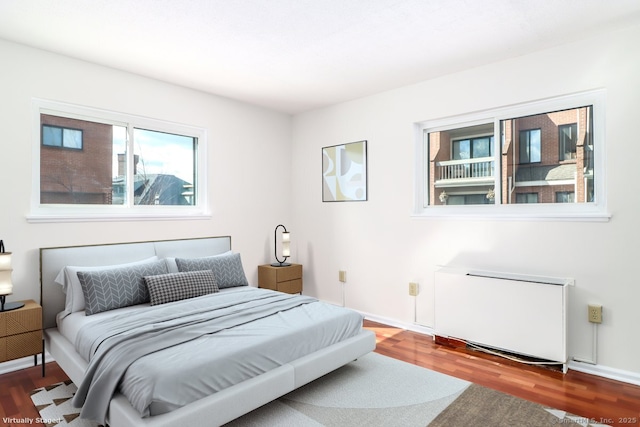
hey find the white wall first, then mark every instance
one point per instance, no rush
(248, 156)
(251, 162)
(382, 248)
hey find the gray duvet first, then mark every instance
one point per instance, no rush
(164, 357)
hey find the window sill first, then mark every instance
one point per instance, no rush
(506, 213)
(50, 217)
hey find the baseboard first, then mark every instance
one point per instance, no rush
(606, 372)
(414, 327)
(16, 365)
(587, 368)
(22, 363)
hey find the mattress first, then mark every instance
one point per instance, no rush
(178, 375)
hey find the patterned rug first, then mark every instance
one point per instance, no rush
(54, 405)
(372, 391)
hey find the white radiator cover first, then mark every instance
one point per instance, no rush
(518, 313)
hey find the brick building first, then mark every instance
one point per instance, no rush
(545, 158)
(75, 161)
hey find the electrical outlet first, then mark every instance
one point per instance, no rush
(342, 276)
(413, 289)
(595, 313)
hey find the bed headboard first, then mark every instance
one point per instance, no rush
(52, 260)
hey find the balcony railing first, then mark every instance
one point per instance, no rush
(481, 167)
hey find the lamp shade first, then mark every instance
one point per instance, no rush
(6, 288)
(286, 239)
(286, 251)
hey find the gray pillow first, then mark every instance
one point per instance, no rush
(113, 288)
(226, 268)
(165, 288)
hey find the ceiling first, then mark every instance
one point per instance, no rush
(297, 55)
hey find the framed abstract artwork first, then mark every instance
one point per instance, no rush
(344, 172)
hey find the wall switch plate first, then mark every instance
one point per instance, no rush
(413, 289)
(342, 276)
(595, 313)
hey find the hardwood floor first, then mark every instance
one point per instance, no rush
(602, 400)
(15, 389)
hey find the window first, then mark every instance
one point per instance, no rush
(468, 199)
(54, 136)
(462, 165)
(565, 197)
(118, 166)
(530, 146)
(507, 157)
(567, 138)
(472, 148)
(526, 197)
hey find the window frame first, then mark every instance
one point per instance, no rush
(588, 211)
(127, 212)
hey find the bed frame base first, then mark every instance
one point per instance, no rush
(228, 404)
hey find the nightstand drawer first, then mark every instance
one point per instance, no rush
(26, 319)
(290, 286)
(21, 345)
(284, 274)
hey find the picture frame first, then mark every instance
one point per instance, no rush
(344, 172)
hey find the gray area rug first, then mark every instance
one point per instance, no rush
(372, 391)
(380, 391)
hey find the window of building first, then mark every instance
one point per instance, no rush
(567, 141)
(56, 136)
(526, 197)
(508, 157)
(120, 166)
(471, 148)
(565, 197)
(530, 146)
(468, 199)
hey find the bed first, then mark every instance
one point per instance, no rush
(218, 367)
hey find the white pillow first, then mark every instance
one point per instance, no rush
(68, 279)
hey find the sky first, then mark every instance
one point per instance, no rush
(160, 153)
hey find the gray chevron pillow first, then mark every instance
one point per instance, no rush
(226, 268)
(113, 288)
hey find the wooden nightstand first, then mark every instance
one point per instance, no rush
(21, 333)
(283, 279)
